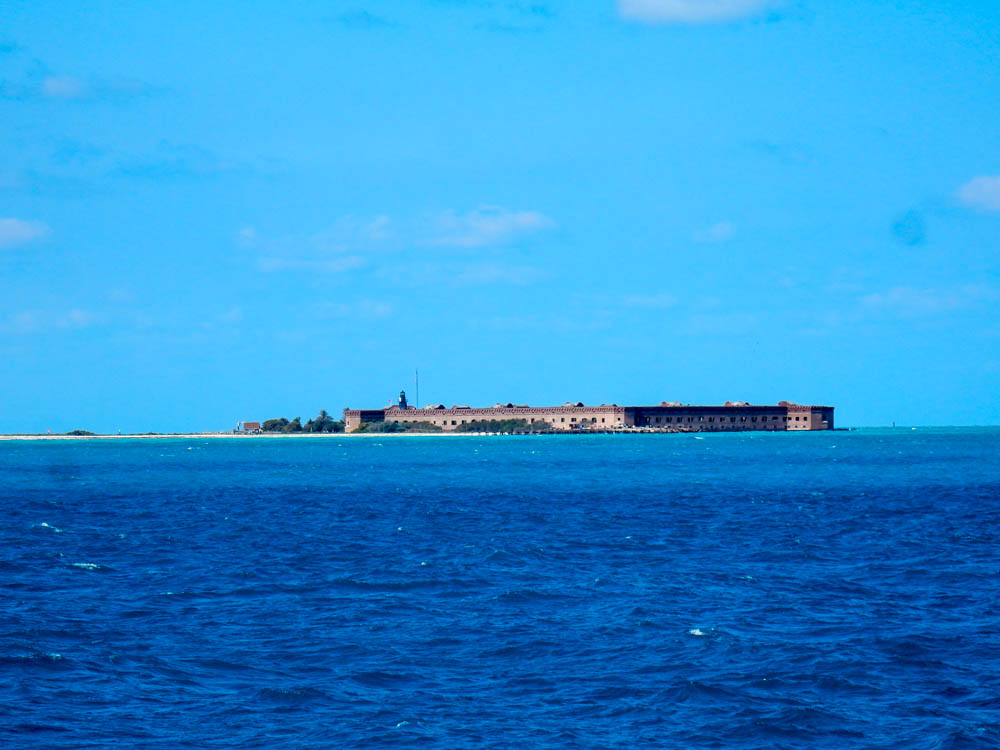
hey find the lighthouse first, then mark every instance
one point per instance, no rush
(402, 400)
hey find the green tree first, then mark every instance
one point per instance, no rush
(388, 427)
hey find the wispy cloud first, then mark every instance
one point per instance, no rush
(493, 273)
(428, 242)
(735, 323)
(344, 246)
(558, 323)
(519, 18)
(173, 160)
(362, 19)
(912, 302)
(692, 11)
(34, 321)
(26, 78)
(232, 315)
(271, 264)
(720, 232)
(14, 232)
(64, 87)
(364, 309)
(413, 251)
(981, 192)
(486, 225)
(650, 301)
(450, 273)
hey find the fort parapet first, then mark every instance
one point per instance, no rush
(667, 417)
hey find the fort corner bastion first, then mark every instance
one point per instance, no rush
(666, 417)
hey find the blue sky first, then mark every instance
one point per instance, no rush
(212, 212)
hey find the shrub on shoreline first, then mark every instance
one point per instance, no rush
(323, 423)
(503, 425)
(388, 427)
(509, 426)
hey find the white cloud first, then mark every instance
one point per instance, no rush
(272, 264)
(494, 273)
(981, 192)
(654, 301)
(365, 309)
(69, 87)
(486, 225)
(232, 315)
(691, 11)
(65, 87)
(31, 321)
(720, 232)
(247, 236)
(436, 273)
(910, 302)
(346, 234)
(351, 242)
(17, 232)
(352, 232)
(736, 324)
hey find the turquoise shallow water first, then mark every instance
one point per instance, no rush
(741, 591)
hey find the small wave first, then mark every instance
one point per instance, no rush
(697, 631)
(291, 695)
(383, 679)
(87, 566)
(44, 525)
(35, 659)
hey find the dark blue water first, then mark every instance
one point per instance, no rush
(825, 590)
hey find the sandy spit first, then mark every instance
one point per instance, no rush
(231, 436)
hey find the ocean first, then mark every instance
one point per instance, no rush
(812, 590)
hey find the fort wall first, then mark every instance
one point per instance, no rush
(666, 418)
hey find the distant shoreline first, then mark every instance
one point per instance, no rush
(336, 435)
(262, 436)
(238, 436)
